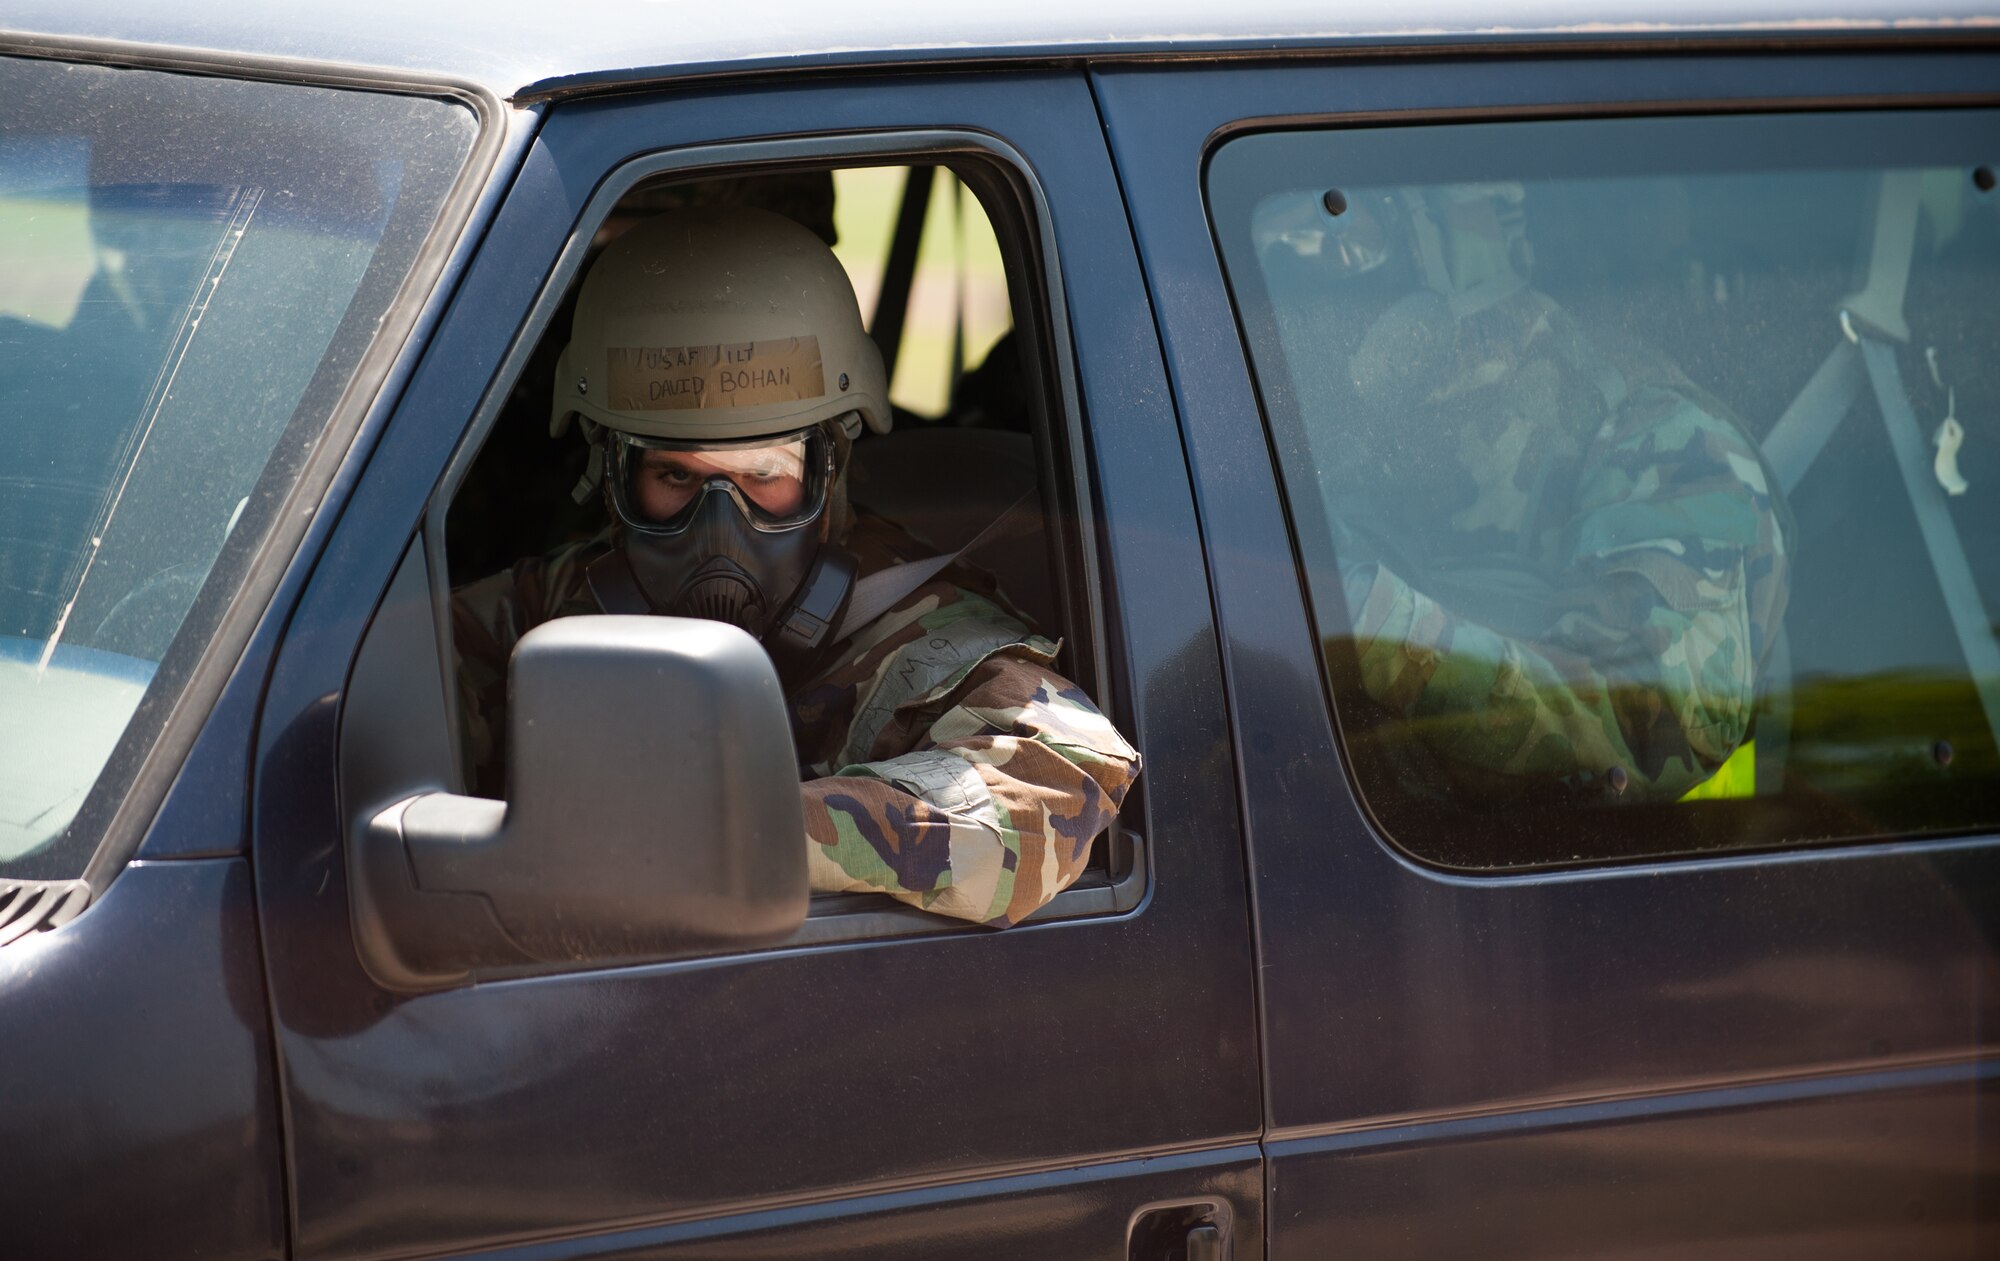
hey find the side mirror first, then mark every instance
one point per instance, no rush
(654, 809)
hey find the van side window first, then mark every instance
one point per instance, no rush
(675, 447)
(1638, 518)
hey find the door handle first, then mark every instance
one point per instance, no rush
(1194, 1230)
(1206, 1242)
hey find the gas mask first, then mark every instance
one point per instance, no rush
(716, 360)
(731, 531)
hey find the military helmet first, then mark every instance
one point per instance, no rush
(718, 324)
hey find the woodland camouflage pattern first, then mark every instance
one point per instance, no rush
(1587, 574)
(947, 765)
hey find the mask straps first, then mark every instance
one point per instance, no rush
(613, 585)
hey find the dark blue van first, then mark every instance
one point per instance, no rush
(1526, 477)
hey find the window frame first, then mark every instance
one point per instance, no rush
(1018, 208)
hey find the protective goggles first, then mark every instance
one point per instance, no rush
(778, 483)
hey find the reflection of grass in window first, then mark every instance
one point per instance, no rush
(1880, 731)
(1854, 738)
(46, 258)
(866, 202)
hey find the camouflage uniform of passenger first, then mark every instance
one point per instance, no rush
(1600, 586)
(946, 764)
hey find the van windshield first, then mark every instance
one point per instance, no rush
(189, 269)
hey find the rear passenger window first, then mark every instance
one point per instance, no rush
(1645, 473)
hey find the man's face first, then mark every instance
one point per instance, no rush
(723, 532)
(772, 478)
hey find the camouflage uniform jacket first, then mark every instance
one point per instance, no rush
(1601, 586)
(946, 764)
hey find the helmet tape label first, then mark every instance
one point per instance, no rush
(732, 374)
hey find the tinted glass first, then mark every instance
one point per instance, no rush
(1645, 473)
(189, 270)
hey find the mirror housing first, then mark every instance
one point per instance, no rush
(654, 809)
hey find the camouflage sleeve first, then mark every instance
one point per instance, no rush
(993, 811)
(1675, 575)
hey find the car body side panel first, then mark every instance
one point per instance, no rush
(207, 809)
(141, 1107)
(1085, 1213)
(1878, 1165)
(1396, 997)
(545, 1108)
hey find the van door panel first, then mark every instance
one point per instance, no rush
(620, 1100)
(1742, 1054)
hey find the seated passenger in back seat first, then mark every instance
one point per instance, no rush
(1564, 567)
(718, 367)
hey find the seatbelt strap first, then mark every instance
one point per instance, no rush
(1799, 435)
(1949, 563)
(886, 588)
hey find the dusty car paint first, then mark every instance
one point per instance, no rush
(1299, 1035)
